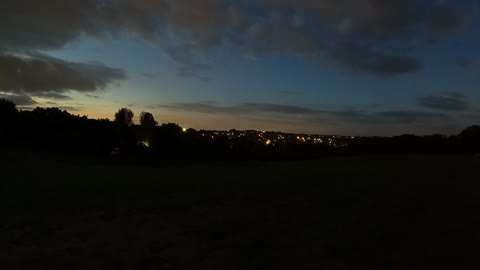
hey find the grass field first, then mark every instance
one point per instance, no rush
(404, 212)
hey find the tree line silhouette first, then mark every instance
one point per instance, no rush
(51, 131)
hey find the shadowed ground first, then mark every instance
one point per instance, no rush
(401, 212)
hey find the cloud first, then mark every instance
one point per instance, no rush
(202, 71)
(401, 116)
(274, 108)
(69, 108)
(452, 102)
(19, 99)
(344, 115)
(364, 59)
(469, 64)
(244, 108)
(52, 95)
(197, 107)
(44, 76)
(382, 118)
(150, 75)
(368, 36)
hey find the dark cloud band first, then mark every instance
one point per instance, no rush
(453, 102)
(349, 116)
(239, 109)
(19, 99)
(41, 75)
(368, 36)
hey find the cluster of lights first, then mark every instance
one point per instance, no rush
(272, 138)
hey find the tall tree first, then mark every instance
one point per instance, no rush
(9, 118)
(147, 120)
(7, 107)
(124, 117)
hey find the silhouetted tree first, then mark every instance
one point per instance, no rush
(124, 117)
(172, 129)
(470, 139)
(471, 132)
(7, 108)
(8, 116)
(147, 120)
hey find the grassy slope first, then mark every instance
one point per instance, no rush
(337, 213)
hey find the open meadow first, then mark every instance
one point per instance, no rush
(378, 212)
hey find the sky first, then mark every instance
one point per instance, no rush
(344, 67)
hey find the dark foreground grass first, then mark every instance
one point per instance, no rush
(408, 212)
